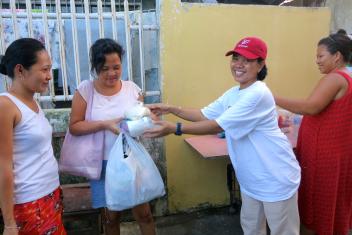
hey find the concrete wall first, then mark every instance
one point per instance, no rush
(341, 12)
(194, 71)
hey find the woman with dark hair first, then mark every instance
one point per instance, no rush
(30, 195)
(324, 147)
(112, 97)
(342, 31)
(266, 168)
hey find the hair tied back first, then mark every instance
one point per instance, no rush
(2, 65)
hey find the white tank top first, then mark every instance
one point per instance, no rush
(34, 165)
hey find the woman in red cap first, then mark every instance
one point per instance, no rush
(266, 168)
(324, 147)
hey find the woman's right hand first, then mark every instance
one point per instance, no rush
(159, 109)
(160, 129)
(112, 125)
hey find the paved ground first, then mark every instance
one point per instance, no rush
(208, 222)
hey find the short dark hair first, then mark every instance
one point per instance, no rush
(21, 51)
(262, 73)
(342, 31)
(99, 49)
(338, 43)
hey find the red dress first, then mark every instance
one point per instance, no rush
(324, 150)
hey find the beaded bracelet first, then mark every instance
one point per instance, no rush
(11, 227)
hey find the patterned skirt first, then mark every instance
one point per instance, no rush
(42, 216)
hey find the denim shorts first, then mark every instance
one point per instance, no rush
(97, 188)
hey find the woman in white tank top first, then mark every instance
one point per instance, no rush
(30, 196)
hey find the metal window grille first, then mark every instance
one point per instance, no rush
(58, 15)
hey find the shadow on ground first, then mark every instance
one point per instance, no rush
(206, 222)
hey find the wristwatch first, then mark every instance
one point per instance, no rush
(178, 128)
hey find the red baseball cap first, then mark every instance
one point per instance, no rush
(251, 48)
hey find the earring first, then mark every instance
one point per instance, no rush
(21, 77)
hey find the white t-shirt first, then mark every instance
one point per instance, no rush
(111, 107)
(265, 165)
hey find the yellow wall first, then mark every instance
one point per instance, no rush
(194, 71)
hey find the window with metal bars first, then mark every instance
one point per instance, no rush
(37, 27)
(65, 5)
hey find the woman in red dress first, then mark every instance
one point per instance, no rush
(324, 146)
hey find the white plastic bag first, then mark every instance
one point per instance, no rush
(137, 127)
(289, 124)
(132, 177)
(137, 111)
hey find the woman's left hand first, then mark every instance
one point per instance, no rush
(112, 125)
(162, 128)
